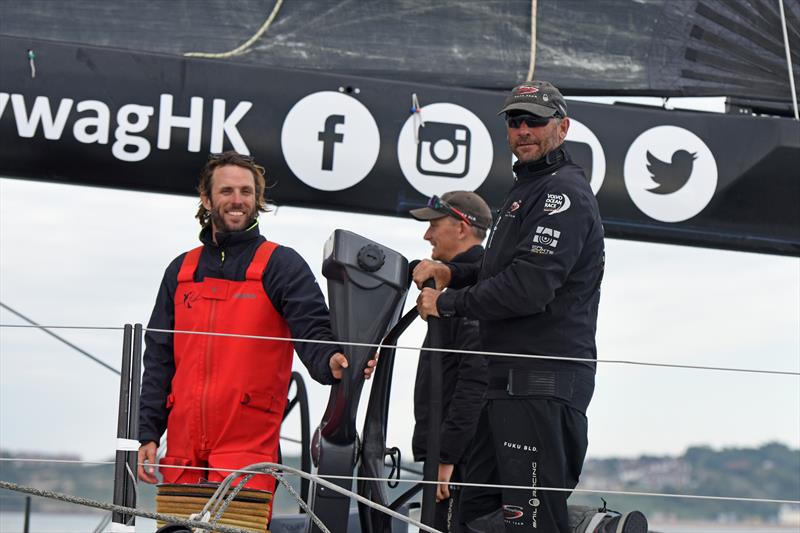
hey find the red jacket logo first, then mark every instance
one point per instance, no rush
(189, 298)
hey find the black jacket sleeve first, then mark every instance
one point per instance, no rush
(159, 363)
(461, 416)
(463, 274)
(536, 270)
(293, 290)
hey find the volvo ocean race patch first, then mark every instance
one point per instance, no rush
(556, 203)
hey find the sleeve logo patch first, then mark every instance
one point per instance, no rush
(545, 240)
(556, 203)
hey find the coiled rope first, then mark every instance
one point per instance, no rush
(118, 508)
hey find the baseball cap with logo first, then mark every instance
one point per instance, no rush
(540, 98)
(462, 205)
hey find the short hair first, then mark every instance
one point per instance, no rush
(230, 158)
(479, 233)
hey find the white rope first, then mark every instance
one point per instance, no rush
(443, 350)
(247, 44)
(788, 59)
(293, 471)
(532, 60)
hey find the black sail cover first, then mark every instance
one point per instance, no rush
(127, 119)
(643, 47)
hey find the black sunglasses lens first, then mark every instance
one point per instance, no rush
(529, 120)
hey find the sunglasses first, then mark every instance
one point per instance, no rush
(436, 203)
(532, 121)
(215, 157)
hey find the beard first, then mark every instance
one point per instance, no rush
(220, 225)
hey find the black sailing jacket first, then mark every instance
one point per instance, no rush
(464, 383)
(290, 286)
(538, 289)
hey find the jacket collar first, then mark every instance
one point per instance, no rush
(230, 240)
(544, 165)
(470, 256)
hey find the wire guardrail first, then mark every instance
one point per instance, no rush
(379, 346)
(460, 484)
(442, 350)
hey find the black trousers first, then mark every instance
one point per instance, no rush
(446, 516)
(530, 442)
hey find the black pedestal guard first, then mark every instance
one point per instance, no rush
(432, 445)
(373, 451)
(367, 286)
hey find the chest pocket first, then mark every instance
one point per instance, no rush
(215, 289)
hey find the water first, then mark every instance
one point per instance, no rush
(12, 522)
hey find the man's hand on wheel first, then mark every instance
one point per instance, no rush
(427, 269)
(338, 363)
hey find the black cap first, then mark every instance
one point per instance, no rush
(540, 98)
(467, 202)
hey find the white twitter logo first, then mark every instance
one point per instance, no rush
(670, 173)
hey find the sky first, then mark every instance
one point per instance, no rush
(81, 256)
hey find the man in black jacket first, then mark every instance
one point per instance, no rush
(458, 222)
(537, 294)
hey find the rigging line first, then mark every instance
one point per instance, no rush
(417, 348)
(314, 477)
(120, 509)
(485, 353)
(560, 489)
(325, 483)
(788, 60)
(532, 61)
(88, 328)
(247, 44)
(272, 468)
(303, 505)
(103, 463)
(62, 339)
(57, 461)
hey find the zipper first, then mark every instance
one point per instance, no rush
(207, 377)
(500, 213)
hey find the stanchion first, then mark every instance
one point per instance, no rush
(127, 428)
(26, 526)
